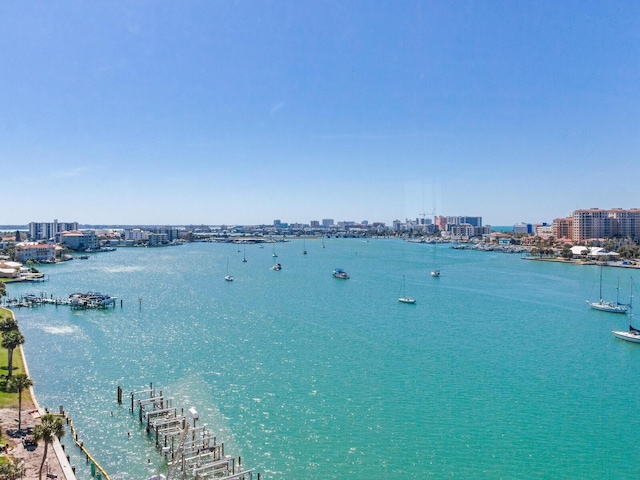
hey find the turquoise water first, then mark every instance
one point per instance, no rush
(499, 371)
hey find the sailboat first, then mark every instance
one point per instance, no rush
(435, 272)
(244, 254)
(274, 255)
(633, 334)
(228, 277)
(402, 297)
(304, 247)
(606, 306)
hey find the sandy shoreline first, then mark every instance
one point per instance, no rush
(31, 459)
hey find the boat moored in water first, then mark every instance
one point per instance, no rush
(633, 334)
(340, 273)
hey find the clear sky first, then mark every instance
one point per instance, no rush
(242, 112)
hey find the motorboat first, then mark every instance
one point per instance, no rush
(340, 273)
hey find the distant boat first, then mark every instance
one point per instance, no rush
(606, 306)
(340, 273)
(277, 266)
(633, 334)
(435, 272)
(228, 277)
(244, 254)
(402, 297)
(304, 247)
(274, 254)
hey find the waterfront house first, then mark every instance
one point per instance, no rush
(38, 252)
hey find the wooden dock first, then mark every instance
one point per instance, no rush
(192, 451)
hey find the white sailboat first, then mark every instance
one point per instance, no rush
(244, 254)
(435, 272)
(633, 334)
(606, 306)
(304, 247)
(402, 297)
(228, 277)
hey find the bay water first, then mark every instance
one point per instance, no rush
(500, 370)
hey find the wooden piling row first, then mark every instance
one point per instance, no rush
(193, 451)
(80, 444)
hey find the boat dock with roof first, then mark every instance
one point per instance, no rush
(77, 301)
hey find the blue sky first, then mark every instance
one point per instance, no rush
(179, 112)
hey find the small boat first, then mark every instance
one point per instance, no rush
(228, 278)
(244, 254)
(633, 334)
(340, 273)
(435, 272)
(277, 266)
(402, 297)
(274, 254)
(606, 306)
(304, 247)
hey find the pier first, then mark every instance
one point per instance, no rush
(192, 451)
(77, 301)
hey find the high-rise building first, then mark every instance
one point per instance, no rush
(50, 230)
(327, 222)
(586, 224)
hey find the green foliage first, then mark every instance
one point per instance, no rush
(8, 323)
(50, 426)
(17, 384)
(9, 470)
(11, 340)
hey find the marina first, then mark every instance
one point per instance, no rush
(304, 376)
(77, 301)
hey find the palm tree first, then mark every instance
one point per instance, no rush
(3, 289)
(17, 384)
(50, 426)
(11, 340)
(8, 323)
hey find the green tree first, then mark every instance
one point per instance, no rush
(3, 289)
(17, 384)
(11, 340)
(8, 324)
(566, 252)
(50, 427)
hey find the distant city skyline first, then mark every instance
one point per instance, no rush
(167, 113)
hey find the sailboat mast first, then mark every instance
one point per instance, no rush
(630, 302)
(601, 283)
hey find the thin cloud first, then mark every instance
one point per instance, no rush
(276, 107)
(72, 172)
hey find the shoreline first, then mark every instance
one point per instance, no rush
(580, 262)
(31, 412)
